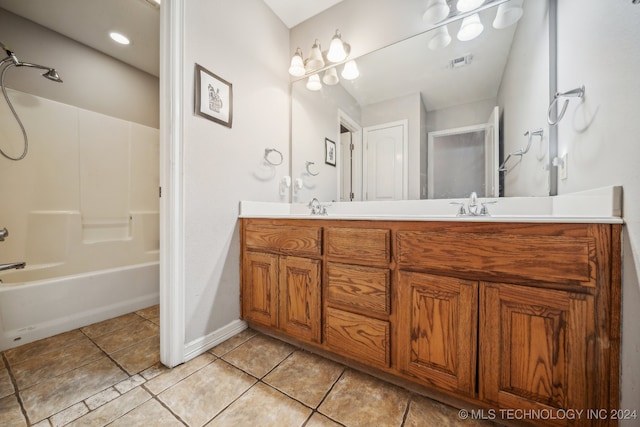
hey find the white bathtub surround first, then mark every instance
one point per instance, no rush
(601, 205)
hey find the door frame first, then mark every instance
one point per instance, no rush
(356, 139)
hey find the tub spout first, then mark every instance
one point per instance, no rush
(3, 233)
(13, 265)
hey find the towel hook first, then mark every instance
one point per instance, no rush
(521, 152)
(307, 166)
(268, 151)
(573, 93)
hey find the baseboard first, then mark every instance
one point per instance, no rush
(200, 345)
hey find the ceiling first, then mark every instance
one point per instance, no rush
(90, 21)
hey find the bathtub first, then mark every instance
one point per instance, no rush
(32, 310)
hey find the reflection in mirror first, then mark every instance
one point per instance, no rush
(392, 120)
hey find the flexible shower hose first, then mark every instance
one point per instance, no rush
(24, 132)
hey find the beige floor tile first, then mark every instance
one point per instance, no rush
(171, 377)
(55, 362)
(259, 355)
(114, 409)
(10, 413)
(53, 395)
(110, 325)
(154, 370)
(6, 386)
(425, 412)
(70, 414)
(201, 396)
(265, 407)
(151, 413)
(36, 348)
(140, 356)
(360, 400)
(319, 420)
(128, 335)
(150, 313)
(305, 377)
(233, 342)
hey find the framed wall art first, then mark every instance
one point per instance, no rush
(214, 97)
(329, 152)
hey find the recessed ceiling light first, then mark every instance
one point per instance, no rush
(119, 38)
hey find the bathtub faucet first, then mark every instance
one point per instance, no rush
(13, 265)
(3, 233)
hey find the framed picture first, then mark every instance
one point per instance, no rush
(329, 152)
(214, 97)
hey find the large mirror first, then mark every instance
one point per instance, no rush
(429, 120)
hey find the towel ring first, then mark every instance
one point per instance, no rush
(574, 93)
(268, 151)
(307, 166)
(521, 152)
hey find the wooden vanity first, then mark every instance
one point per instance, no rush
(493, 315)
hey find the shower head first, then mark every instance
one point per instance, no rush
(52, 75)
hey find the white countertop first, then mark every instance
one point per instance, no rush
(602, 205)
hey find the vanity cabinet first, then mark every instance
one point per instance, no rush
(496, 315)
(281, 277)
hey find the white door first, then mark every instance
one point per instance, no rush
(346, 167)
(492, 141)
(385, 162)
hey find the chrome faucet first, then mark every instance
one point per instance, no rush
(474, 208)
(316, 207)
(3, 234)
(13, 265)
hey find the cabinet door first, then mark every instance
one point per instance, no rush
(535, 347)
(437, 330)
(260, 288)
(300, 298)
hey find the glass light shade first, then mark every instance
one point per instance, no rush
(440, 39)
(297, 65)
(436, 11)
(508, 14)
(467, 5)
(330, 77)
(313, 82)
(315, 60)
(471, 28)
(350, 70)
(337, 51)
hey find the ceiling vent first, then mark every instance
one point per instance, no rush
(461, 61)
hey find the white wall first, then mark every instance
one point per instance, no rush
(598, 46)
(247, 45)
(523, 107)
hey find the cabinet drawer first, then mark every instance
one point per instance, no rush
(521, 258)
(286, 239)
(365, 288)
(368, 246)
(358, 337)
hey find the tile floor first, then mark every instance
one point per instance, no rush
(108, 374)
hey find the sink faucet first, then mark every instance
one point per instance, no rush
(316, 207)
(13, 265)
(474, 207)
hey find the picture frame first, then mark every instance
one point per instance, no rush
(329, 152)
(213, 97)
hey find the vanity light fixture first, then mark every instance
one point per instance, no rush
(440, 39)
(508, 14)
(471, 28)
(437, 10)
(119, 38)
(468, 5)
(297, 64)
(330, 77)
(350, 70)
(313, 82)
(338, 50)
(315, 61)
